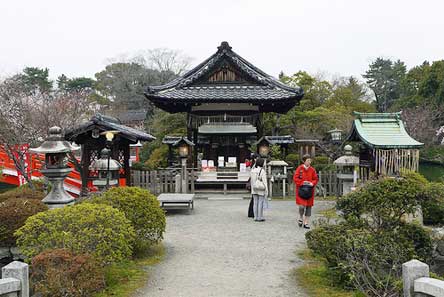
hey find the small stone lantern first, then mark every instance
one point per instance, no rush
(347, 173)
(107, 170)
(184, 146)
(56, 169)
(277, 171)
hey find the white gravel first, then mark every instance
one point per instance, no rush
(218, 251)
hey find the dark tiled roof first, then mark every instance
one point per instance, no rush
(284, 139)
(176, 140)
(132, 115)
(171, 139)
(226, 93)
(257, 86)
(104, 124)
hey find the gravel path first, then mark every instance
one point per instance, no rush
(218, 251)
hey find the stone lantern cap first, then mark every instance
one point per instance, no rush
(54, 144)
(102, 163)
(348, 159)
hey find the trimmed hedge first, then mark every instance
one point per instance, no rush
(141, 208)
(100, 230)
(61, 272)
(13, 214)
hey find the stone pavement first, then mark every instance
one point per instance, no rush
(217, 251)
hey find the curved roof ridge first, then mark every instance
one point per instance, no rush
(203, 68)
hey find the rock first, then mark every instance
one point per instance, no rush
(4, 252)
(16, 255)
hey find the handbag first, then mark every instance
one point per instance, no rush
(258, 183)
(250, 208)
(305, 191)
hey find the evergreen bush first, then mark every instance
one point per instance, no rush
(25, 192)
(141, 208)
(366, 249)
(293, 160)
(13, 214)
(433, 204)
(99, 230)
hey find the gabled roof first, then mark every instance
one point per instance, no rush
(132, 115)
(382, 130)
(283, 139)
(251, 85)
(103, 123)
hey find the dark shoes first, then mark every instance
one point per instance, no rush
(300, 223)
(306, 226)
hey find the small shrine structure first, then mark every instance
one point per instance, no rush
(386, 147)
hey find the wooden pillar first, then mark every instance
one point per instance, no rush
(126, 165)
(85, 168)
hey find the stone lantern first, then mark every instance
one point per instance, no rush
(184, 146)
(277, 171)
(347, 172)
(107, 171)
(56, 169)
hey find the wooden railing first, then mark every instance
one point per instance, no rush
(169, 181)
(224, 119)
(162, 180)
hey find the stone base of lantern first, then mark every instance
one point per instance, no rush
(58, 197)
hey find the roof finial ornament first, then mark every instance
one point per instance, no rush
(224, 46)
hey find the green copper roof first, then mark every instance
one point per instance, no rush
(382, 130)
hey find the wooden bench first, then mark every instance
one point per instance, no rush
(176, 200)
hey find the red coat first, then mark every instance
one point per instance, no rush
(307, 175)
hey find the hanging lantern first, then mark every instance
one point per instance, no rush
(106, 171)
(264, 149)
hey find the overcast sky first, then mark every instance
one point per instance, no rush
(335, 36)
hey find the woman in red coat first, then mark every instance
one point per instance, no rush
(305, 175)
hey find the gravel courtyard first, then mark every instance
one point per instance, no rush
(217, 251)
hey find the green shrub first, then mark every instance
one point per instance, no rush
(418, 238)
(384, 202)
(99, 230)
(433, 204)
(361, 258)
(13, 214)
(139, 166)
(25, 192)
(322, 163)
(158, 158)
(60, 272)
(293, 160)
(367, 248)
(141, 208)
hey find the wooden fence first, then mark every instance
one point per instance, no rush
(161, 181)
(328, 185)
(164, 181)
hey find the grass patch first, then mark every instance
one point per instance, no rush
(124, 278)
(329, 213)
(315, 279)
(326, 198)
